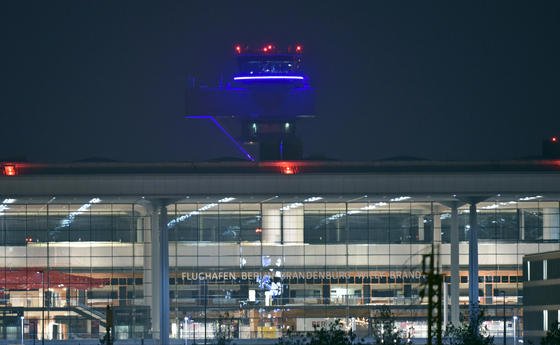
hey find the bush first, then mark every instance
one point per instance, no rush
(466, 335)
(552, 336)
(333, 334)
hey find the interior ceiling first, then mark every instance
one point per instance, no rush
(310, 201)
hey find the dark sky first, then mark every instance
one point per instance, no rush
(439, 80)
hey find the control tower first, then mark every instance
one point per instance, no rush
(267, 96)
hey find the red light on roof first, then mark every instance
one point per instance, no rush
(269, 47)
(298, 48)
(265, 49)
(289, 170)
(10, 170)
(238, 49)
(554, 139)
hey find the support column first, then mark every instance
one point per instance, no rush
(292, 224)
(160, 272)
(454, 251)
(473, 267)
(521, 217)
(148, 261)
(437, 227)
(145, 223)
(421, 234)
(551, 224)
(271, 223)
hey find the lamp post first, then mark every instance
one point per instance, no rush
(503, 293)
(21, 318)
(205, 309)
(43, 307)
(194, 332)
(186, 323)
(515, 330)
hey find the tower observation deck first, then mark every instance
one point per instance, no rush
(267, 96)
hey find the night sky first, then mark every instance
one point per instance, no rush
(437, 80)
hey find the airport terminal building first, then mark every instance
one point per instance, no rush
(541, 290)
(252, 250)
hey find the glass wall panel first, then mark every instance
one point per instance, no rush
(352, 256)
(62, 263)
(250, 269)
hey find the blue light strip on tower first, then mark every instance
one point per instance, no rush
(270, 77)
(239, 147)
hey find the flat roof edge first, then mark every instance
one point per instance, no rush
(25, 168)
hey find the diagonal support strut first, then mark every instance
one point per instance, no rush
(221, 128)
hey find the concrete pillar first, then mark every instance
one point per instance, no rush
(454, 251)
(551, 224)
(148, 283)
(421, 235)
(271, 223)
(521, 217)
(292, 224)
(437, 227)
(154, 276)
(473, 267)
(140, 229)
(160, 272)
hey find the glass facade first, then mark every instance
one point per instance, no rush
(249, 266)
(61, 264)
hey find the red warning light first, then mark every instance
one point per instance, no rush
(554, 139)
(265, 49)
(10, 170)
(286, 167)
(298, 48)
(288, 170)
(238, 49)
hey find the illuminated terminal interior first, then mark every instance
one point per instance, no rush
(257, 254)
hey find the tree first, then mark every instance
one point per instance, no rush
(467, 335)
(384, 329)
(552, 335)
